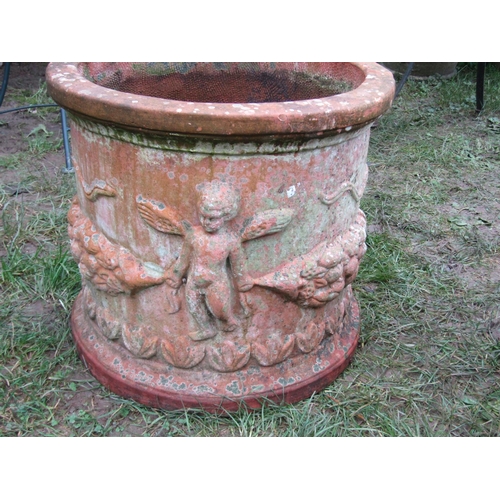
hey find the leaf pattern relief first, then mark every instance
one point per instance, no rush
(273, 349)
(182, 353)
(310, 339)
(228, 356)
(109, 327)
(139, 341)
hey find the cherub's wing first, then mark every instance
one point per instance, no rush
(267, 222)
(161, 217)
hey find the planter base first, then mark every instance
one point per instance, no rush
(157, 385)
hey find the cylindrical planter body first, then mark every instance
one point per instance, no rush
(217, 225)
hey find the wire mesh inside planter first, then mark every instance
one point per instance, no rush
(226, 82)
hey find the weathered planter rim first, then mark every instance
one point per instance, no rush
(353, 109)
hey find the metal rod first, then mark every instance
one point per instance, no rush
(409, 69)
(5, 81)
(21, 108)
(480, 86)
(67, 151)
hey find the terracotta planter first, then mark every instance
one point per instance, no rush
(217, 225)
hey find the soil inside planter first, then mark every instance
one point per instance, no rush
(224, 83)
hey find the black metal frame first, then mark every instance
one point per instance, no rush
(481, 68)
(64, 123)
(67, 151)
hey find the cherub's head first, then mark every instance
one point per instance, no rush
(218, 203)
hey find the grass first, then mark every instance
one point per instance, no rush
(429, 356)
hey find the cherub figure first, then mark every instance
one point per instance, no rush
(207, 250)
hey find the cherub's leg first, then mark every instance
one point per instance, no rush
(220, 302)
(195, 302)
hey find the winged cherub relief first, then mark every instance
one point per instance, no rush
(212, 261)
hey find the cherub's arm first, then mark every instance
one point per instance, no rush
(180, 267)
(239, 268)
